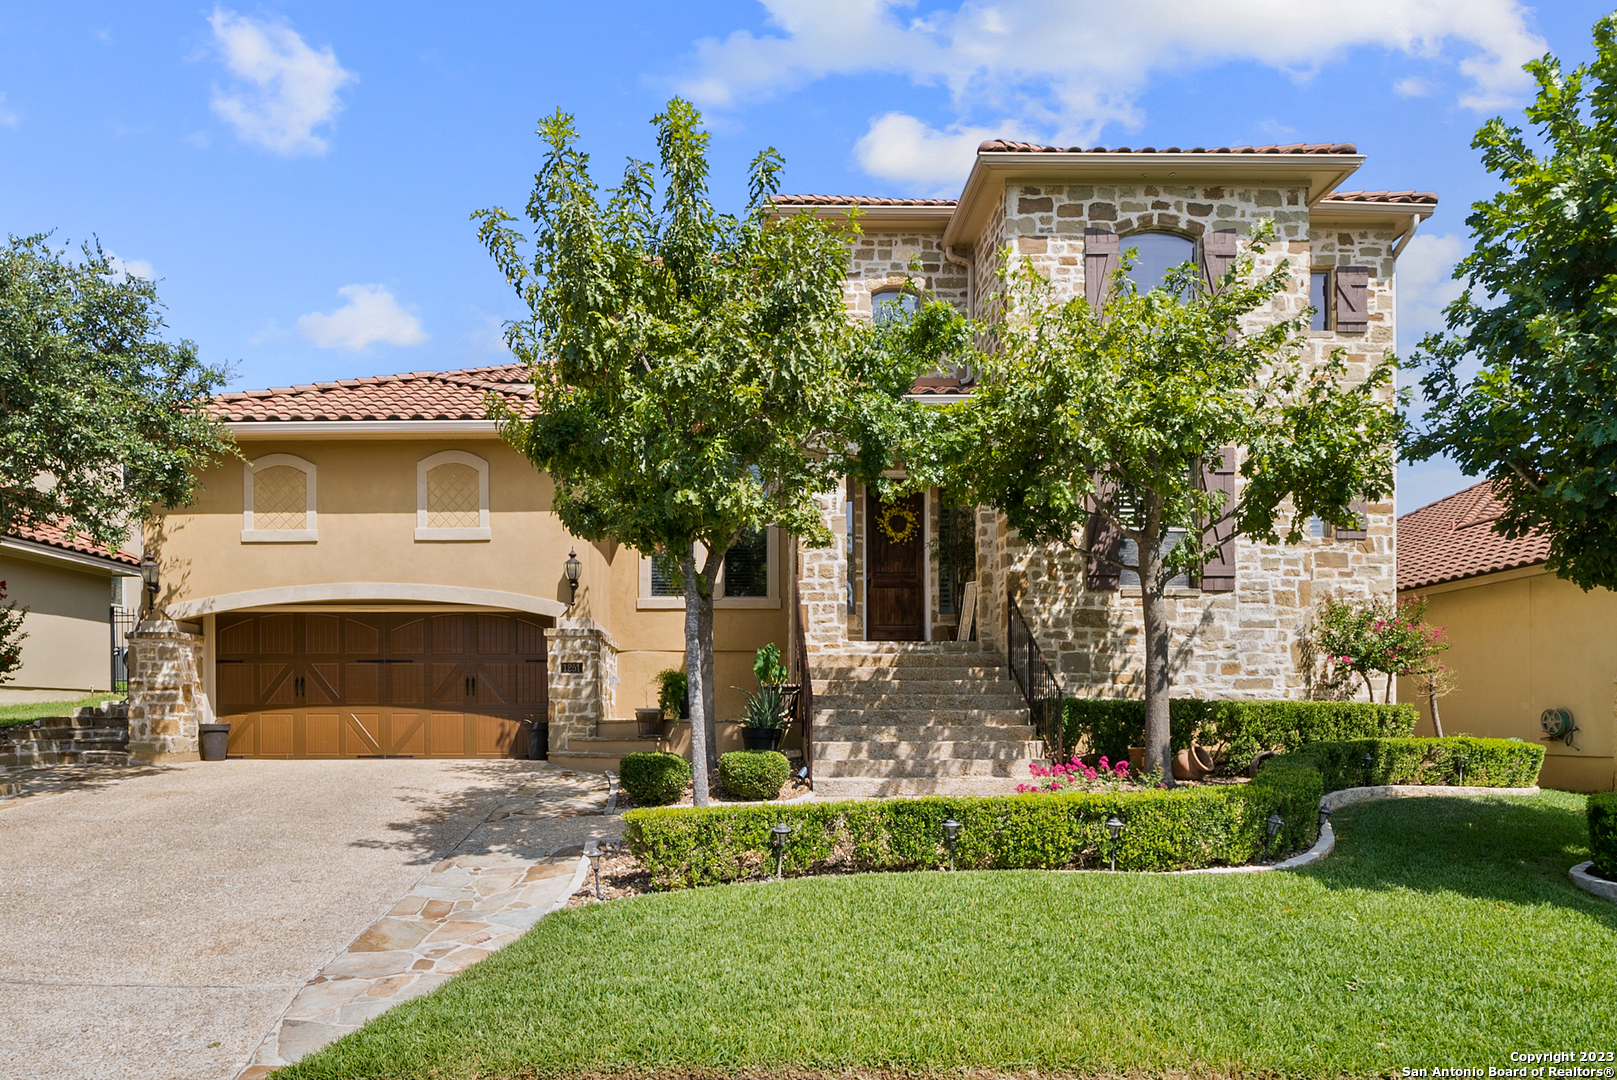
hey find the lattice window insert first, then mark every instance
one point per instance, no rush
(453, 497)
(280, 498)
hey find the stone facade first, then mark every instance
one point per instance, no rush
(166, 702)
(580, 700)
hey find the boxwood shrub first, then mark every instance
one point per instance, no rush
(754, 775)
(654, 779)
(1603, 833)
(1165, 830)
(1110, 726)
(1502, 763)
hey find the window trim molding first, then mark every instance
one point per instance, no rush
(644, 601)
(250, 533)
(451, 457)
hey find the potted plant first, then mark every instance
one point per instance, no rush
(770, 672)
(765, 720)
(673, 694)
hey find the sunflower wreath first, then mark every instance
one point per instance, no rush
(884, 522)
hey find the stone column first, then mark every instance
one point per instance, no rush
(583, 678)
(165, 693)
(822, 577)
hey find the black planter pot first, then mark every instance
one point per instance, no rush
(215, 739)
(538, 741)
(760, 738)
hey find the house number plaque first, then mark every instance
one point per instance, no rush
(572, 667)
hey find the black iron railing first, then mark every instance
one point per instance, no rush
(805, 693)
(123, 623)
(1038, 683)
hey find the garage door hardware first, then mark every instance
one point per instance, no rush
(372, 756)
(297, 686)
(471, 685)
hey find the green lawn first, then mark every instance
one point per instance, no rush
(12, 715)
(1443, 932)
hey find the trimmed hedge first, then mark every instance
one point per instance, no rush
(654, 779)
(1166, 830)
(1246, 728)
(1603, 833)
(754, 775)
(1501, 763)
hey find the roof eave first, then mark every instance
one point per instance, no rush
(929, 218)
(38, 551)
(373, 429)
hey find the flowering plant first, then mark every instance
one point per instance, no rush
(1104, 775)
(1377, 636)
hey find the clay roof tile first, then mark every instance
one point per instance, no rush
(1453, 538)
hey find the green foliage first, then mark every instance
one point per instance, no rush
(654, 779)
(766, 665)
(1377, 635)
(1166, 830)
(672, 692)
(88, 385)
(1542, 279)
(1602, 814)
(763, 709)
(1502, 763)
(11, 635)
(1110, 726)
(754, 775)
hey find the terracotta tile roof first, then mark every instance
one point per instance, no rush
(1453, 538)
(942, 384)
(860, 200)
(416, 395)
(56, 536)
(1424, 198)
(1004, 146)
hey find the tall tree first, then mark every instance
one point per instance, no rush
(697, 375)
(97, 427)
(1540, 417)
(1095, 428)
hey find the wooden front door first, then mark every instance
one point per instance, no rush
(893, 580)
(338, 685)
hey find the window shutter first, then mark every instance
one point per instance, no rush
(1100, 261)
(1352, 299)
(1102, 537)
(1218, 576)
(1361, 511)
(1218, 253)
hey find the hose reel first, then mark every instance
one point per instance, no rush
(1558, 725)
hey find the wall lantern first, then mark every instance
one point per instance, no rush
(777, 836)
(1272, 823)
(1115, 827)
(572, 568)
(592, 852)
(951, 829)
(149, 575)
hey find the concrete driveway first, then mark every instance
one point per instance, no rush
(159, 926)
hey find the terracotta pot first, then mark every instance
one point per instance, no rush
(1192, 764)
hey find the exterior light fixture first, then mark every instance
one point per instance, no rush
(1272, 823)
(777, 836)
(803, 773)
(149, 575)
(1324, 818)
(1461, 761)
(1369, 760)
(592, 852)
(951, 829)
(572, 568)
(1115, 827)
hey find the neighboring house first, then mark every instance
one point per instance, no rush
(75, 594)
(380, 534)
(1522, 640)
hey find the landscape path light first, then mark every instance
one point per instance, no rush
(1115, 827)
(951, 829)
(1324, 818)
(592, 852)
(1462, 761)
(777, 836)
(1273, 823)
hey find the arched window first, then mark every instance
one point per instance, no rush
(278, 501)
(1155, 254)
(892, 303)
(451, 497)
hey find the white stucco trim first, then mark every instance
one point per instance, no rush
(381, 429)
(362, 591)
(250, 533)
(451, 457)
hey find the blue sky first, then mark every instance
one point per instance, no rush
(299, 176)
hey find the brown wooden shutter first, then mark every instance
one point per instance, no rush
(1218, 575)
(1218, 253)
(1352, 299)
(1100, 261)
(1361, 511)
(1103, 538)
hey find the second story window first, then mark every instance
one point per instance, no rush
(452, 497)
(1155, 254)
(278, 497)
(887, 305)
(1319, 298)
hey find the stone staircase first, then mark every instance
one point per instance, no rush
(913, 718)
(92, 736)
(603, 751)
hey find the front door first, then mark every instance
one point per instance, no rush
(894, 555)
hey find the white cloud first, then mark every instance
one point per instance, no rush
(8, 117)
(901, 148)
(371, 315)
(1069, 69)
(1426, 286)
(123, 269)
(1412, 87)
(285, 89)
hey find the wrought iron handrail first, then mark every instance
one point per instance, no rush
(1039, 686)
(805, 694)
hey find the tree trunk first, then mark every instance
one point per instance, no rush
(1158, 679)
(704, 631)
(696, 680)
(1431, 700)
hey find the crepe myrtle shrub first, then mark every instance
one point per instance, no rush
(1095, 426)
(11, 635)
(754, 775)
(695, 372)
(1603, 833)
(1498, 763)
(1166, 830)
(654, 779)
(1377, 636)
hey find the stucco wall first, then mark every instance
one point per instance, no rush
(1523, 642)
(68, 649)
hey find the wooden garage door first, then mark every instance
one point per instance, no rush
(333, 685)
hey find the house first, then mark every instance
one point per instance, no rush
(80, 600)
(1523, 642)
(382, 574)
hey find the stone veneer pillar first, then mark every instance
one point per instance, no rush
(165, 693)
(581, 699)
(822, 580)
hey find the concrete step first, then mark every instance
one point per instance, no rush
(66, 734)
(867, 787)
(928, 750)
(69, 723)
(586, 744)
(891, 769)
(902, 697)
(879, 732)
(958, 716)
(873, 668)
(620, 729)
